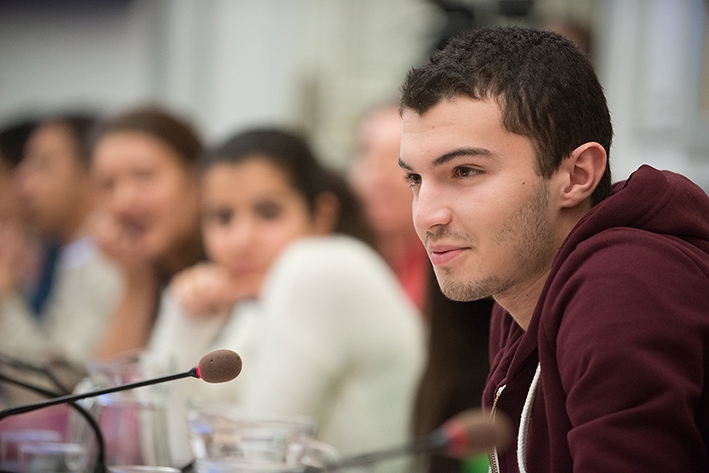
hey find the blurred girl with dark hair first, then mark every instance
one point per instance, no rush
(321, 322)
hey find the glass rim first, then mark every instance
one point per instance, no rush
(34, 447)
(142, 468)
(235, 413)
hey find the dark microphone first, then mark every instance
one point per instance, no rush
(218, 366)
(469, 433)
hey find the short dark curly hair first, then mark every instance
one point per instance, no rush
(546, 87)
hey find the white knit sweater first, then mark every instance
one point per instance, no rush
(333, 336)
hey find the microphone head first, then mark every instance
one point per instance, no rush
(219, 366)
(473, 432)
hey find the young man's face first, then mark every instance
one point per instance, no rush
(376, 178)
(52, 180)
(479, 206)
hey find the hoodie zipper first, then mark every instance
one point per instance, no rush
(492, 453)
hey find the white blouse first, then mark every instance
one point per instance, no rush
(333, 336)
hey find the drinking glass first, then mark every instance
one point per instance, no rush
(227, 439)
(141, 469)
(133, 422)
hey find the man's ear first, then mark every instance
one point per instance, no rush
(326, 213)
(582, 172)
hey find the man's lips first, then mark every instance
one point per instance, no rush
(443, 254)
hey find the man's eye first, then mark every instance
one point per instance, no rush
(465, 171)
(412, 179)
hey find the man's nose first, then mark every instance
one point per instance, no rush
(430, 208)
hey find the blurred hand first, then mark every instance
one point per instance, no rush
(205, 289)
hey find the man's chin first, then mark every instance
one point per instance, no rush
(463, 291)
(455, 293)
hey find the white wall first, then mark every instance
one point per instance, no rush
(231, 62)
(650, 63)
(226, 64)
(54, 55)
(222, 62)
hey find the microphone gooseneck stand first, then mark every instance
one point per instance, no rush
(217, 366)
(101, 447)
(434, 442)
(76, 397)
(468, 432)
(21, 365)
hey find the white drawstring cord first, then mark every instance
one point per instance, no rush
(524, 421)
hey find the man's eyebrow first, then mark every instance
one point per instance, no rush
(403, 165)
(457, 153)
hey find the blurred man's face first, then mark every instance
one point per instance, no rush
(52, 180)
(376, 177)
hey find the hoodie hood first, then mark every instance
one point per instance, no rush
(660, 202)
(588, 314)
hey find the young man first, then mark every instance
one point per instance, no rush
(600, 335)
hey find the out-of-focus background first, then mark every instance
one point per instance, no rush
(319, 64)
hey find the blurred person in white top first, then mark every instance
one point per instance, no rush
(323, 327)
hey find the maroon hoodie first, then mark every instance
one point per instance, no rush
(621, 337)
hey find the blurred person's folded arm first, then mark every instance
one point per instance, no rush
(20, 334)
(19, 330)
(128, 327)
(15, 258)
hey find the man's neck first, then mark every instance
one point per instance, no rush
(521, 301)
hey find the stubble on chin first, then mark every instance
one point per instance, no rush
(467, 290)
